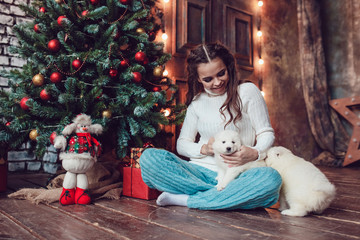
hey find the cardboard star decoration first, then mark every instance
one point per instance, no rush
(342, 107)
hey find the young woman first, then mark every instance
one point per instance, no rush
(216, 100)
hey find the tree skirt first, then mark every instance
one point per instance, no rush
(104, 182)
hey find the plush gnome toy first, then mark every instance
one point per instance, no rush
(79, 151)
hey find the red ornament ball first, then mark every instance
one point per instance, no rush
(54, 45)
(59, 20)
(36, 28)
(8, 124)
(76, 64)
(156, 89)
(146, 61)
(140, 56)
(42, 9)
(52, 137)
(44, 95)
(55, 77)
(113, 72)
(84, 13)
(23, 103)
(125, 2)
(137, 77)
(94, 2)
(124, 63)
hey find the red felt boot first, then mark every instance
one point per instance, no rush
(67, 196)
(82, 196)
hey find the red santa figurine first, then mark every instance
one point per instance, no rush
(79, 151)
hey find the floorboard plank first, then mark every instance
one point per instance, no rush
(17, 181)
(51, 224)
(184, 220)
(9, 229)
(347, 203)
(270, 221)
(130, 218)
(348, 189)
(130, 227)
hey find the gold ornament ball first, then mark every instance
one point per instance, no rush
(38, 79)
(33, 134)
(106, 114)
(158, 71)
(59, 1)
(140, 30)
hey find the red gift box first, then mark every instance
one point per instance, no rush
(134, 186)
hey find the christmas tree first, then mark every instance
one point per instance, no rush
(96, 57)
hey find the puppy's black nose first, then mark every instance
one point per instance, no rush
(228, 149)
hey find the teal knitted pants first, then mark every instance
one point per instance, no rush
(163, 170)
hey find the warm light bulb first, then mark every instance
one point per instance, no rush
(166, 112)
(164, 36)
(260, 3)
(263, 93)
(166, 1)
(259, 33)
(165, 73)
(261, 61)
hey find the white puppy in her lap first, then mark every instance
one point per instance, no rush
(305, 188)
(227, 142)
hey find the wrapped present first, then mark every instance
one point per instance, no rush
(134, 186)
(135, 154)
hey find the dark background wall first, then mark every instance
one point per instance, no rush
(282, 81)
(341, 37)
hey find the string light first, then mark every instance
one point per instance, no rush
(259, 33)
(166, 112)
(165, 73)
(164, 36)
(166, 1)
(261, 62)
(260, 3)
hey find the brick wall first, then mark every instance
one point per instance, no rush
(22, 160)
(10, 14)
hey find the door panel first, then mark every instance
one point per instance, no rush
(192, 23)
(238, 36)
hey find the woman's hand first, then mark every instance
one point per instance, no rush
(207, 149)
(244, 155)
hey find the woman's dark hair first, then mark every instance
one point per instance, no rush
(202, 54)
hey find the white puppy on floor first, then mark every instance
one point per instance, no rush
(305, 188)
(227, 142)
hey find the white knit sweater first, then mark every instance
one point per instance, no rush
(203, 117)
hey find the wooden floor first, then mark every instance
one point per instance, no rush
(130, 218)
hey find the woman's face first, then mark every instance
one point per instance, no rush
(213, 76)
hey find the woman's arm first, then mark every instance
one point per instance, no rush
(186, 145)
(260, 120)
